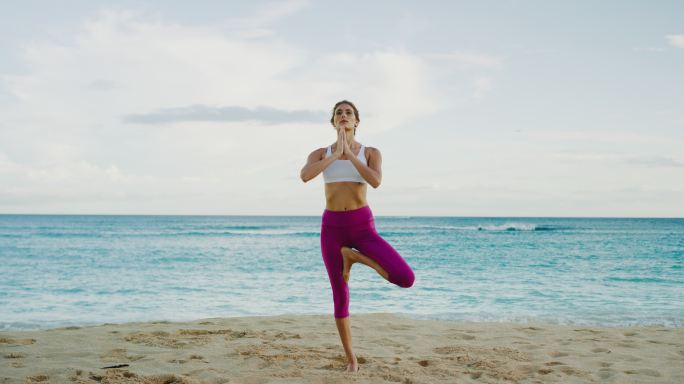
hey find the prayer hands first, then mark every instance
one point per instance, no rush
(339, 149)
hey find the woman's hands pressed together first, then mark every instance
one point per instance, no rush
(341, 143)
(347, 149)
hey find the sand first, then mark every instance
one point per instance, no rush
(306, 349)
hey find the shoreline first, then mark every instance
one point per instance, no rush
(401, 315)
(306, 348)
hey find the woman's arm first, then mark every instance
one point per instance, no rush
(372, 173)
(315, 165)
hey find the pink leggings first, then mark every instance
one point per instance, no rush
(356, 229)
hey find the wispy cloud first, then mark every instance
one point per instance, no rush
(468, 59)
(482, 85)
(654, 161)
(605, 158)
(635, 138)
(257, 25)
(649, 49)
(81, 93)
(676, 40)
(221, 114)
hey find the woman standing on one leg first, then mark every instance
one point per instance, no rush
(348, 232)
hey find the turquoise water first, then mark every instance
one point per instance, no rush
(62, 270)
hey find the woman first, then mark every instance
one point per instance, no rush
(348, 232)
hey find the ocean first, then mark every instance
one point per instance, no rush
(62, 270)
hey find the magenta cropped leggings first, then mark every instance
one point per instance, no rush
(356, 229)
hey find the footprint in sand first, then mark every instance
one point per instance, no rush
(627, 344)
(14, 355)
(552, 363)
(424, 363)
(461, 336)
(287, 335)
(119, 354)
(557, 354)
(182, 361)
(570, 371)
(448, 350)
(400, 327)
(165, 339)
(5, 340)
(645, 372)
(606, 373)
(37, 378)
(544, 371)
(176, 361)
(599, 350)
(630, 333)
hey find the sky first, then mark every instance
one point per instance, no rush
(479, 108)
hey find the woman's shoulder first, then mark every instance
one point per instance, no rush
(318, 153)
(371, 152)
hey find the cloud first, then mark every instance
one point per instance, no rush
(456, 68)
(67, 131)
(676, 40)
(600, 136)
(256, 25)
(221, 114)
(125, 62)
(465, 60)
(616, 158)
(654, 161)
(482, 85)
(391, 87)
(649, 49)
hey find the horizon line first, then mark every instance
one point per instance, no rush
(281, 215)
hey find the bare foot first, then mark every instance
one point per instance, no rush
(353, 366)
(348, 259)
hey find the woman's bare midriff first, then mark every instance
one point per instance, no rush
(345, 196)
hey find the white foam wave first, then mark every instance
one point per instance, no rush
(508, 227)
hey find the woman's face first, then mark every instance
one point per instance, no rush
(344, 117)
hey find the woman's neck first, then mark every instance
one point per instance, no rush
(350, 139)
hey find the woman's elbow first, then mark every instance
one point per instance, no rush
(375, 184)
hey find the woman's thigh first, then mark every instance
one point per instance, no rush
(371, 244)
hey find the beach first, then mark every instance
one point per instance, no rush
(306, 349)
(242, 299)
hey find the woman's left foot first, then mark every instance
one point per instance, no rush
(353, 367)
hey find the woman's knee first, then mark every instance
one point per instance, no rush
(404, 279)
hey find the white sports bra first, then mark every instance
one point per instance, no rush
(343, 170)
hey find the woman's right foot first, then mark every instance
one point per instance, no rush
(348, 259)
